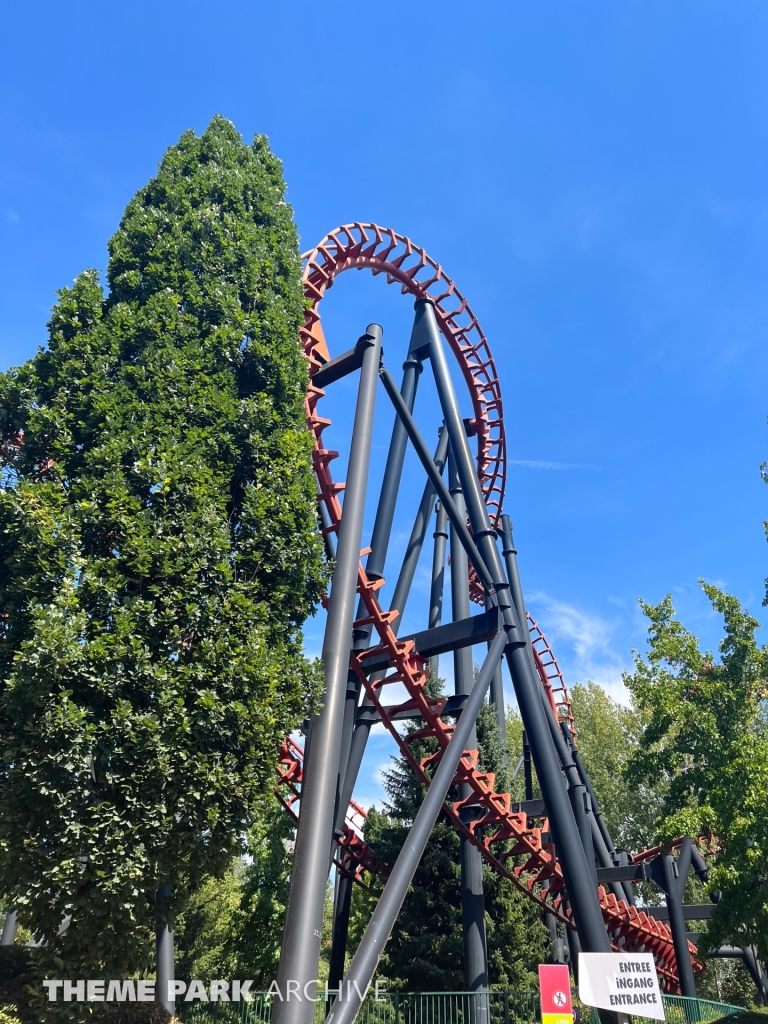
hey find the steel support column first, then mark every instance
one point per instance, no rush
(164, 969)
(577, 792)
(300, 953)
(366, 958)
(496, 698)
(342, 904)
(9, 929)
(581, 891)
(374, 567)
(677, 926)
(438, 579)
(472, 901)
(402, 589)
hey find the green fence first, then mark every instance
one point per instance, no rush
(506, 1007)
(684, 1010)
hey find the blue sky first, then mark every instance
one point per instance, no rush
(592, 175)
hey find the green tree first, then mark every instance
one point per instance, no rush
(608, 734)
(232, 927)
(425, 949)
(159, 555)
(706, 744)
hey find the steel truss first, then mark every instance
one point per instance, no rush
(557, 851)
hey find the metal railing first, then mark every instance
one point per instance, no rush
(504, 1007)
(685, 1010)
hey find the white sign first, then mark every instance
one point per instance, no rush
(624, 982)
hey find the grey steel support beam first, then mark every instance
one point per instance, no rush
(367, 713)
(9, 929)
(626, 873)
(374, 567)
(472, 899)
(755, 970)
(164, 969)
(604, 850)
(496, 698)
(509, 551)
(601, 836)
(475, 629)
(366, 958)
(438, 579)
(527, 768)
(300, 953)
(325, 524)
(690, 911)
(699, 865)
(577, 791)
(666, 871)
(342, 904)
(581, 891)
(684, 864)
(340, 366)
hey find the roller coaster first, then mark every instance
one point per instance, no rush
(557, 849)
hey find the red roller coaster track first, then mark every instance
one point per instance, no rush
(511, 842)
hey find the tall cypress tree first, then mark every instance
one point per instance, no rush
(158, 553)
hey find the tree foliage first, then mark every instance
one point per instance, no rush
(233, 927)
(158, 553)
(706, 742)
(424, 952)
(608, 734)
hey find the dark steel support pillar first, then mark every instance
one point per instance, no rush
(527, 768)
(361, 637)
(382, 530)
(438, 580)
(684, 864)
(472, 901)
(164, 970)
(581, 890)
(677, 927)
(577, 792)
(325, 524)
(300, 952)
(365, 960)
(606, 852)
(755, 971)
(342, 904)
(9, 929)
(496, 698)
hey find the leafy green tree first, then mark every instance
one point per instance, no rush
(608, 734)
(159, 555)
(425, 950)
(706, 743)
(232, 927)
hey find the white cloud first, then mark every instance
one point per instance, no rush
(582, 643)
